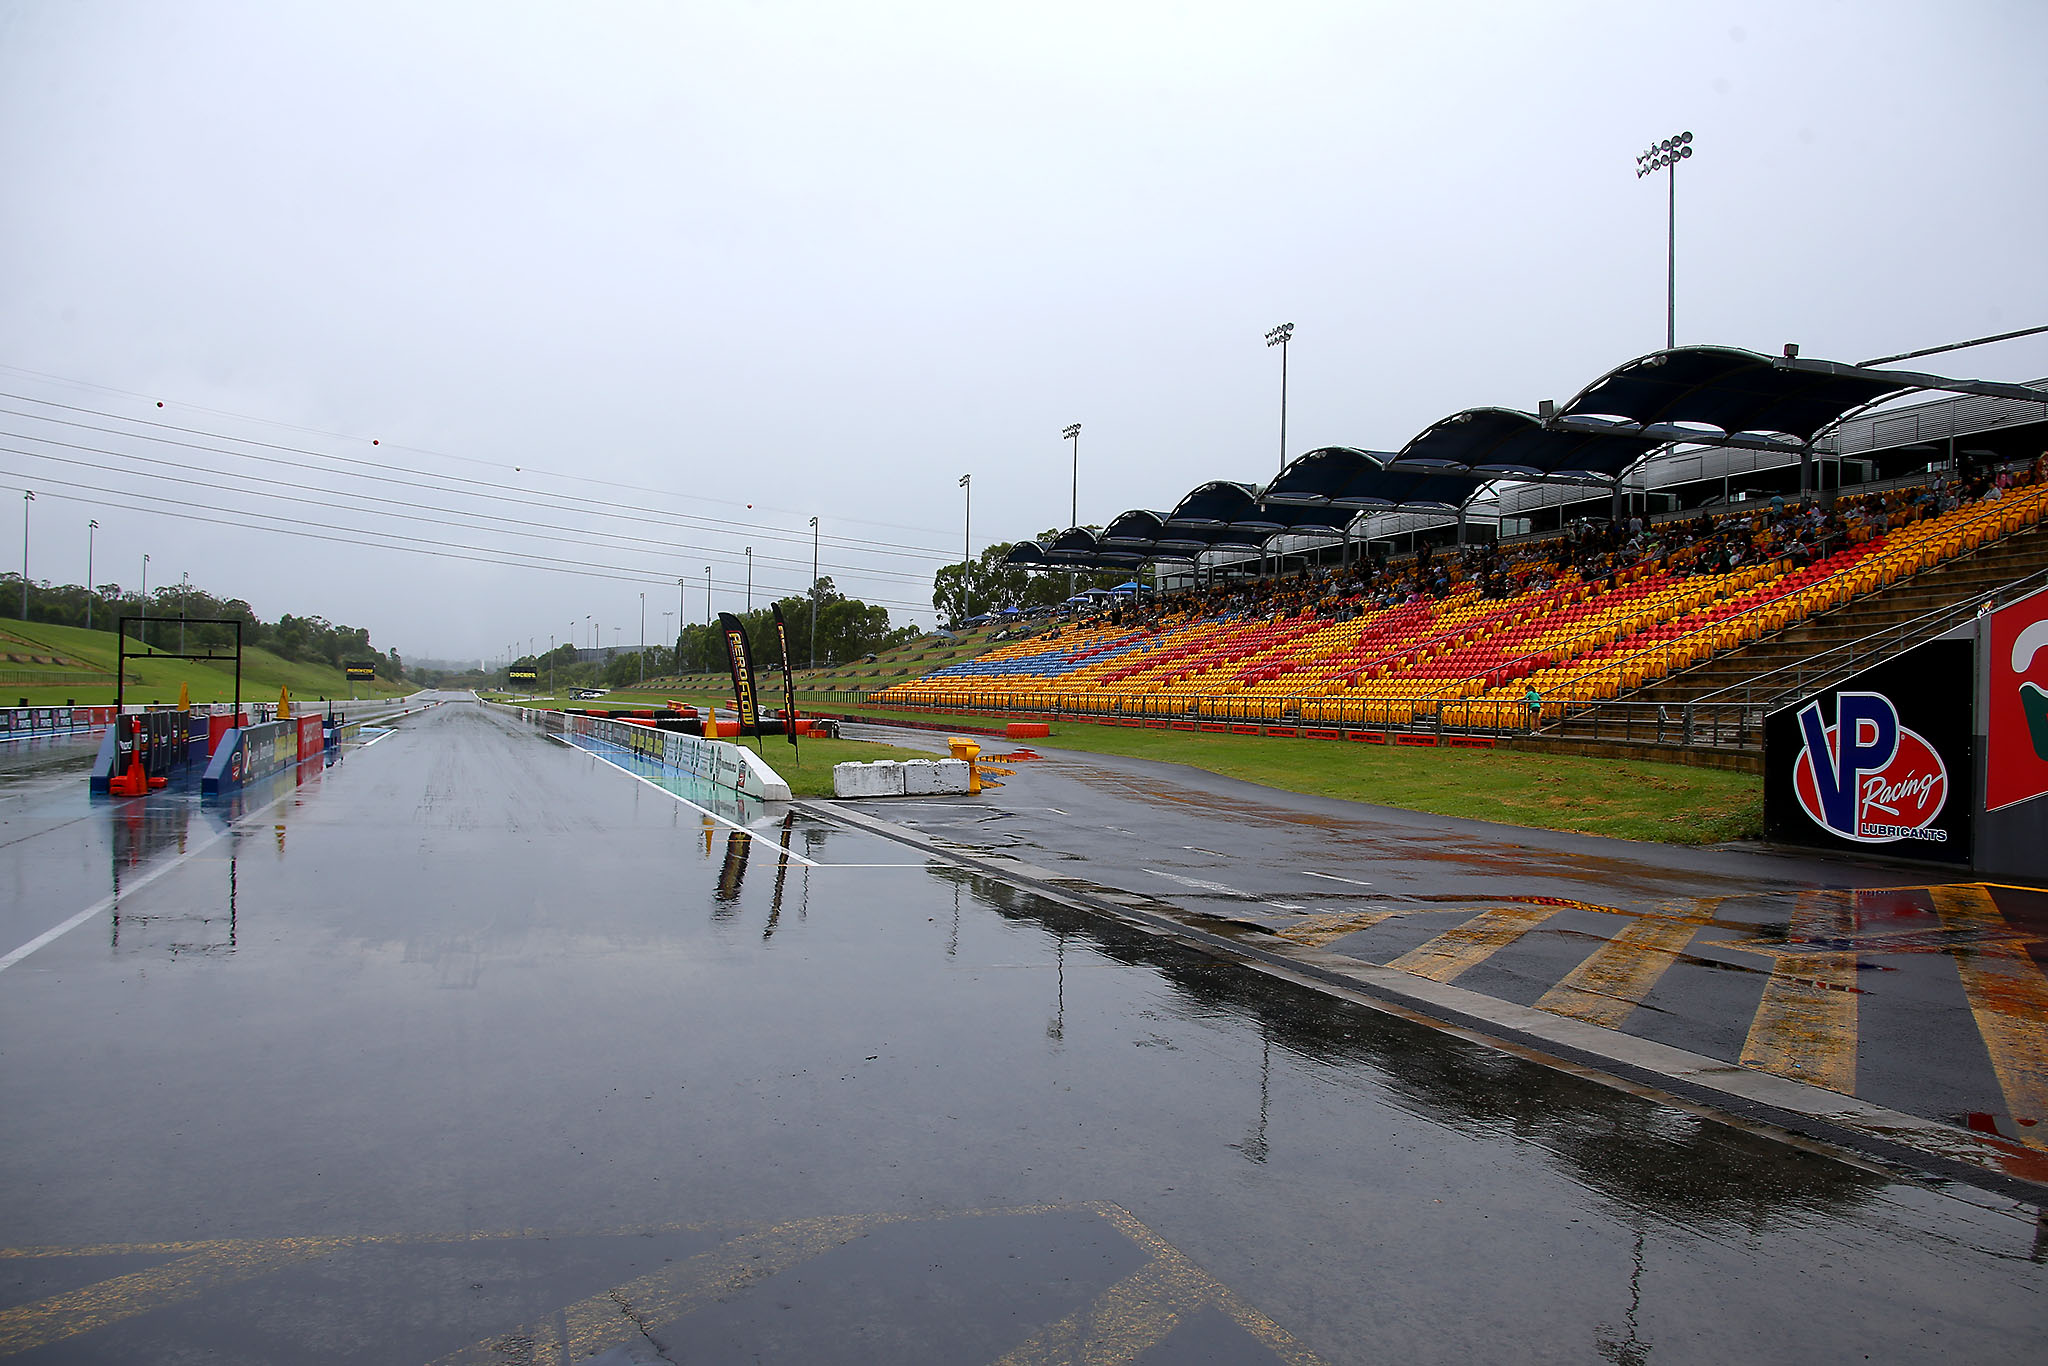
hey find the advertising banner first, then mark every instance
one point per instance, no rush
(2016, 738)
(1881, 763)
(741, 657)
(788, 680)
(360, 671)
(522, 673)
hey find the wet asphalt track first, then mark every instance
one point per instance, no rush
(472, 1048)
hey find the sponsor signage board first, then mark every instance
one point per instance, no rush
(1881, 763)
(361, 671)
(2016, 721)
(523, 673)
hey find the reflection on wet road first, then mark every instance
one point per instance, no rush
(512, 1058)
(1927, 999)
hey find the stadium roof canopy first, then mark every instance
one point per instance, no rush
(1703, 392)
(1359, 481)
(1501, 443)
(1691, 395)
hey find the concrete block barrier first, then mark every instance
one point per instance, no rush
(883, 778)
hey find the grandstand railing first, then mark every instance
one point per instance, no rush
(1793, 680)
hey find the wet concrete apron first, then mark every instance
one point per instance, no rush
(474, 1049)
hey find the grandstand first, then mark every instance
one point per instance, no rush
(1457, 637)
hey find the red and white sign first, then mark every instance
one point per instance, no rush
(2016, 738)
(1886, 784)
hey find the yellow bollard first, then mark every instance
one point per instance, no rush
(964, 748)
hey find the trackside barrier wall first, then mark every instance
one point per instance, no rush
(16, 721)
(250, 754)
(732, 767)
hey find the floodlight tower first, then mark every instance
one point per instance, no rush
(1072, 432)
(91, 529)
(1279, 337)
(814, 594)
(966, 540)
(28, 496)
(1661, 156)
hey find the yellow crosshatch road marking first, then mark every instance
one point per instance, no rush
(1139, 1312)
(2009, 997)
(1473, 942)
(1805, 1026)
(1616, 977)
(1318, 930)
(1126, 1320)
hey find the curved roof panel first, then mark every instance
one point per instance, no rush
(1503, 443)
(1217, 503)
(1137, 528)
(1725, 389)
(1341, 477)
(1027, 555)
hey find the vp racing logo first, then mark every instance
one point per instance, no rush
(1867, 778)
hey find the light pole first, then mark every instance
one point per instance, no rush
(1072, 432)
(145, 600)
(27, 496)
(707, 595)
(184, 587)
(664, 630)
(1666, 155)
(1279, 337)
(966, 541)
(682, 616)
(643, 639)
(91, 528)
(593, 636)
(750, 580)
(813, 659)
(551, 664)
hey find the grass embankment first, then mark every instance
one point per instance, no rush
(70, 662)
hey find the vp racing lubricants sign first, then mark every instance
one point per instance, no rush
(1881, 762)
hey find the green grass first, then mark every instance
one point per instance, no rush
(813, 776)
(157, 680)
(1622, 798)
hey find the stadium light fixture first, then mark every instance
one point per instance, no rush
(1280, 336)
(707, 595)
(91, 528)
(814, 595)
(1665, 156)
(750, 579)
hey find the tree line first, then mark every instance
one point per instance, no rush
(309, 639)
(847, 629)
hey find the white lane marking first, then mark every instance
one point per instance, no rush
(379, 740)
(1332, 877)
(1201, 885)
(1198, 849)
(1056, 811)
(56, 932)
(735, 825)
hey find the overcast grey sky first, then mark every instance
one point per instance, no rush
(733, 266)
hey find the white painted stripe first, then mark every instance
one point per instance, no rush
(1332, 877)
(1201, 885)
(135, 885)
(750, 834)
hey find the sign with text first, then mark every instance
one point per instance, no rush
(360, 671)
(739, 653)
(523, 673)
(1881, 762)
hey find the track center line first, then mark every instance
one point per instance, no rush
(58, 931)
(1332, 877)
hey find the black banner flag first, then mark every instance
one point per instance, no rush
(788, 682)
(741, 657)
